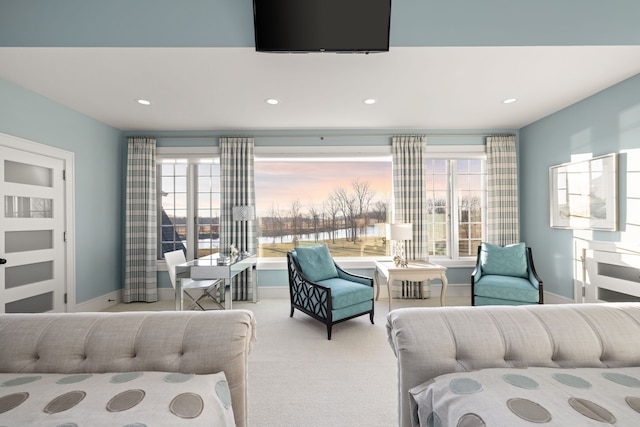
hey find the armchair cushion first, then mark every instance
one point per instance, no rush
(508, 260)
(345, 293)
(316, 263)
(506, 288)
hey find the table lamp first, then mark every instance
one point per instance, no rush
(399, 233)
(243, 213)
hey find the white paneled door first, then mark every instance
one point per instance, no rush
(32, 231)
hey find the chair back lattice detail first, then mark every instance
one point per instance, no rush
(313, 299)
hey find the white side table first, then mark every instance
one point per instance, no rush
(416, 271)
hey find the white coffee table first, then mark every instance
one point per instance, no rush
(416, 271)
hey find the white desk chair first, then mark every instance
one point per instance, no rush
(210, 288)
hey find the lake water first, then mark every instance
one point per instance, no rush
(339, 234)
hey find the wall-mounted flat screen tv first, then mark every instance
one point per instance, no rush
(322, 25)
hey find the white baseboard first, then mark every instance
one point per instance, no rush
(166, 294)
(453, 290)
(115, 297)
(550, 298)
(273, 292)
(98, 304)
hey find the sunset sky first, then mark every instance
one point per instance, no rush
(280, 183)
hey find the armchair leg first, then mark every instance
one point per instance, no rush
(371, 317)
(291, 314)
(329, 325)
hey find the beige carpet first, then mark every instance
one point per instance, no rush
(299, 378)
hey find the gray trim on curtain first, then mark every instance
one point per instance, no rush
(141, 222)
(409, 192)
(237, 189)
(503, 227)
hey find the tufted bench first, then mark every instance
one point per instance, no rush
(202, 343)
(433, 342)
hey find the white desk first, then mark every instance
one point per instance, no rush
(207, 268)
(416, 271)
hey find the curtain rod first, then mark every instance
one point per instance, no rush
(447, 135)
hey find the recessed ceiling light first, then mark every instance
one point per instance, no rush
(369, 101)
(509, 100)
(144, 102)
(272, 101)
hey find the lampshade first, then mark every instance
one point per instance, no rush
(244, 213)
(400, 231)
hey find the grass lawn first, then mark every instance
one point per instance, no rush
(367, 246)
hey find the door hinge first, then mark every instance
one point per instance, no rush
(584, 293)
(64, 174)
(65, 297)
(64, 236)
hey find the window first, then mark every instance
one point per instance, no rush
(188, 205)
(342, 201)
(456, 200)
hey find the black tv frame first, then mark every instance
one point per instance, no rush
(304, 26)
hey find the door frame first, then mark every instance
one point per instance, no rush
(68, 158)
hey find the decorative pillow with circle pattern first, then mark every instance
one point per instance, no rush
(115, 399)
(524, 397)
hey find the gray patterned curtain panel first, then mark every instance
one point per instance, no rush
(503, 227)
(237, 189)
(409, 193)
(141, 222)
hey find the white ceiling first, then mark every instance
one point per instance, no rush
(226, 88)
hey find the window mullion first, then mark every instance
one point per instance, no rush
(159, 254)
(192, 200)
(454, 223)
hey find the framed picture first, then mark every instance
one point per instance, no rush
(584, 194)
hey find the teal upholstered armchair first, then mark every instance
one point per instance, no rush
(505, 275)
(323, 290)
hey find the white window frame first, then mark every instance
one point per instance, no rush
(293, 153)
(191, 154)
(458, 152)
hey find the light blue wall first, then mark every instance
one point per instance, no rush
(606, 122)
(315, 137)
(229, 23)
(98, 169)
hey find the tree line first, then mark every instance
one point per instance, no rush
(349, 209)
